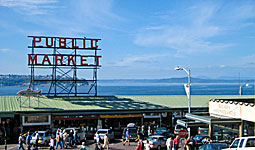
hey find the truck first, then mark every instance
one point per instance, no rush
(243, 143)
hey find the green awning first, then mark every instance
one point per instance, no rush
(6, 115)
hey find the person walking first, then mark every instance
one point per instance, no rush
(147, 146)
(36, 138)
(191, 143)
(176, 143)
(75, 137)
(58, 141)
(187, 145)
(169, 143)
(21, 142)
(70, 138)
(127, 135)
(28, 141)
(139, 146)
(106, 141)
(83, 147)
(65, 137)
(52, 144)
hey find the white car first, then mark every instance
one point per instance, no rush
(243, 143)
(81, 134)
(156, 141)
(101, 133)
(44, 138)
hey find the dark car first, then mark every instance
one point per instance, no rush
(165, 134)
(198, 139)
(213, 146)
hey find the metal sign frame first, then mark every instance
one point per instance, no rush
(64, 79)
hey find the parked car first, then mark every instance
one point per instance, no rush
(80, 133)
(44, 138)
(101, 133)
(198, 139)
(132, 133)
(165, 134)
(156, 141)
(178, 127)
(213, 146)
(243, 143)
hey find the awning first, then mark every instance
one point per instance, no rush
(6, 115)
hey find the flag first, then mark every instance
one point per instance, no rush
(187, 89)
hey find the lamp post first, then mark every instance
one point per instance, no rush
(188, 72)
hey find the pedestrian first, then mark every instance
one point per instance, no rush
(187, 145)
(61, 137)
(21, 142)
(127, 135)
(138, 138)
(106, 141)
(176, 143)
(70, 138)
(65, 137)
(28, 141)
(169, 143)
(138, 147)
(75, 137)
(58, 141)
(96, 147)
(99, 146)
(52, 144)
(142, 145)
(147, 145)
(36, 138)
(34, 147)
(149, 131)
(191, 143)
(83, 147)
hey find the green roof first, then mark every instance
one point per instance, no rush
(12, 103)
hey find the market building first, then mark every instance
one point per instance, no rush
(226, 119)
(91, 113)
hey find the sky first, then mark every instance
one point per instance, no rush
(142, 39)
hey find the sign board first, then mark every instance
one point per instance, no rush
(182, 133)
(225, 110)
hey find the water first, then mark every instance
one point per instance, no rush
(151, 89)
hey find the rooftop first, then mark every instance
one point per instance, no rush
(12, 103)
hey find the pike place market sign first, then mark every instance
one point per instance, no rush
(82, 58)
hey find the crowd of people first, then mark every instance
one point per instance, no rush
(61, 140)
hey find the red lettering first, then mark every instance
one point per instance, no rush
(36, 39)
(82, 60)
(71, 58)
(73, 43)
(47, 42)
(32, 58)
(59, 59)
(62, 42)
(84, 43)
(92, 43)
(97, 60)
(46, 58)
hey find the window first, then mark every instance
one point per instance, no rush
(250, 142)
(235, 143)
(241, 143)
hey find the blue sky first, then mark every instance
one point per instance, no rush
(140, 39)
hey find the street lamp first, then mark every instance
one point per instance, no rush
(187, 86)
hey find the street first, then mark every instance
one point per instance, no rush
(115, 145)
